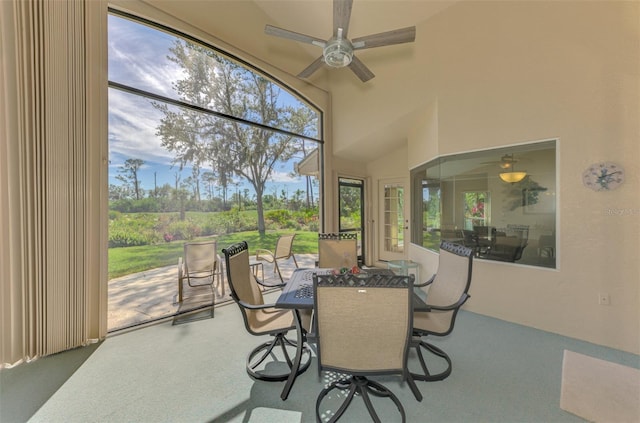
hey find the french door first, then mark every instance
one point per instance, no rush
(393, 223)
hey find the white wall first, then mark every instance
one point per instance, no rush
(498, 73)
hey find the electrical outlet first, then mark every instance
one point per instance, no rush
(603, 299)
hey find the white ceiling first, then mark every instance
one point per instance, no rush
(237, 23)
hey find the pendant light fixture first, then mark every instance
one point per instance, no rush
(512, 176)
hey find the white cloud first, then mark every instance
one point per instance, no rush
(138, 57)
(133, 122)
(283, 177)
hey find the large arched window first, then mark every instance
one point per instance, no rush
(193, 130)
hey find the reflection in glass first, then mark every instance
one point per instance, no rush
(462, 199)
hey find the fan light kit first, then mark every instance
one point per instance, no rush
(337, 51)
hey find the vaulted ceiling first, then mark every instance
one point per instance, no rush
(241, 23)
(310, 17)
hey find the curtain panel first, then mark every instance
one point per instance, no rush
(53, 171)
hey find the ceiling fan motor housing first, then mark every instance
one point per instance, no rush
(338, 52)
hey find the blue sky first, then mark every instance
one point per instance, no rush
(138, 58)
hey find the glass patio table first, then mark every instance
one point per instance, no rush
(405, 268)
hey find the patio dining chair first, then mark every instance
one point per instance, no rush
(352, 342)
(446, 292)
(283, 251)
(200, 265)
(271, 360)
(337, 250)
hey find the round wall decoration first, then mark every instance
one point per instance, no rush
(604, 176)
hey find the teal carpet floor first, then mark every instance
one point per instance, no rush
(194, 371)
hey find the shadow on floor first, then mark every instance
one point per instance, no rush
(32, 384)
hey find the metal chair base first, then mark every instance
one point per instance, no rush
(259, 355)
(358, 385)
(426, 375)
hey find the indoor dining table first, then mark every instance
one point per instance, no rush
(297, 295)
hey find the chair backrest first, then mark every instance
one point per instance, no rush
(364, 322)
(521, 230)
(284, 246)
(511, 246)
(200, 258)
(242, 282)
(451, 282)
(337, 250)
(484, 231)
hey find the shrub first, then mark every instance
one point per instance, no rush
(131, 230)
(313, 226)
(279, 217)
(183, 229)
(122, 237)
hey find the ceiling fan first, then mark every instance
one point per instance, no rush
(338, 51)
(506, 162)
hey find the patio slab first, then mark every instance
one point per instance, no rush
(153, 294)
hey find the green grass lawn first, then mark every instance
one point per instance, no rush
(127, 260)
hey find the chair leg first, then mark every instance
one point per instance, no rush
(352, 387)
(221, 284)
(364, 387)
(414, 387)
(265, 350)
(221, 280)
(213, 298)
(426, 375)
(276, 267)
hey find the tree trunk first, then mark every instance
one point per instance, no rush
(259, 208)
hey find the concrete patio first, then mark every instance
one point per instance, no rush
(142, 297)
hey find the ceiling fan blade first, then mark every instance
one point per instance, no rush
(397, 36)
(317, 64)
(341, 16)
(361, 70)
(290, 35)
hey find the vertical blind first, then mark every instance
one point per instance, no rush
(53, 280)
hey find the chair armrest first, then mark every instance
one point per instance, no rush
(431, 279)
(454, 306)
(262, 254)
(218, 264)
(266, 285)
(255, 306)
